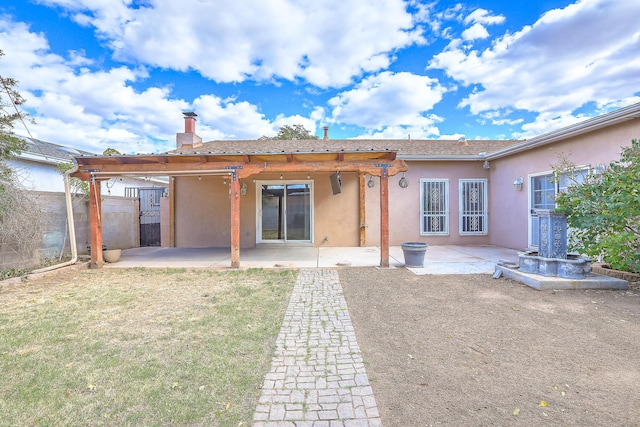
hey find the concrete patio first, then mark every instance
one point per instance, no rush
(447, 259)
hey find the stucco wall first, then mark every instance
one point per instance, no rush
(404, 204)
(336, 216)
(35, 176)
(203, 211)
(119, 224)
(509, 222)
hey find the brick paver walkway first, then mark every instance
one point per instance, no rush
(317, 376)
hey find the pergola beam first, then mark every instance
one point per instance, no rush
(94, 169)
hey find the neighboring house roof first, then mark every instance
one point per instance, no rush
(47, 152)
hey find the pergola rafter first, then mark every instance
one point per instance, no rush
(238, 166)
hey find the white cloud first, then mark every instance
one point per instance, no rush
(388, 99)
(91, 110)
(95, 109)
(424, 130)
(546, 122)
(326, 42)
(482, 16)
(228, 119)
(476, 31)
(569, 57)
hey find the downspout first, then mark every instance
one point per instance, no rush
(70, 223)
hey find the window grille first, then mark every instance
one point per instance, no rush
(434, 195)
(131, 192)
(473, 207)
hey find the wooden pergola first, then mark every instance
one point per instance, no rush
(379, 163)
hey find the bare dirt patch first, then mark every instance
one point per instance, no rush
(472, 350)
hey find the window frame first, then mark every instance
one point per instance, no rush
(483, 203)
(441, 213)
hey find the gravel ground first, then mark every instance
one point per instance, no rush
(473, 350)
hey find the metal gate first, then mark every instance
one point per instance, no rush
(149, 213)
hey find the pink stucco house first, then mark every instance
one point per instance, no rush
(240, 194)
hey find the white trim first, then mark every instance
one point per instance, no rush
(423, 214)
(483, 205)
(624, 114)
(258, 191)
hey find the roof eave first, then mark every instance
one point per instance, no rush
(605, 120)
(40, 158)
(421, 157)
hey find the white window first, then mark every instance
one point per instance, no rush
(473, 207)
(544, 189)
(434, 218)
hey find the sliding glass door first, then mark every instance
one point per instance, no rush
(285, 212)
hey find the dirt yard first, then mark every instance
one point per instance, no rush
(476, 351)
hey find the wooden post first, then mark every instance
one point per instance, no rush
(95, 224)
(384, 219)
(235, 221)
(362, 216)
(172, 211)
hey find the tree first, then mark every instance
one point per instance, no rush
(10, 145)
(111, 152)
(604, 210)
(287, 132)
(20, 219)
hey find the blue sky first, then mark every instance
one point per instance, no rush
(119, 73)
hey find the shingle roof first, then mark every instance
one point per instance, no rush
(48, 150)
(417, 148)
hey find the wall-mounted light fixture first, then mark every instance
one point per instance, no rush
(280, 176)
(403, 183)
(486, 164)
(371, 183)
(243, 189)
(517, 183)
(308, 176)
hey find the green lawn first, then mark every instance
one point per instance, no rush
(138, 347)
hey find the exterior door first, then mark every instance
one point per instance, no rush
(285, 211)
(150, 215)
(542, 194)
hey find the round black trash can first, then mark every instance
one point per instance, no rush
(414, 253)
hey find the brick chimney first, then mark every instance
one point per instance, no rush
(188, 139)
(326, 133)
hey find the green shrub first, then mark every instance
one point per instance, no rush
(604, 211)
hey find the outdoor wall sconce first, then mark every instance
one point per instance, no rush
(486, 164)
(243, 189)
(280, 176)
(371, 183)
(224, 181)
(403, 183)
(517, 184)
